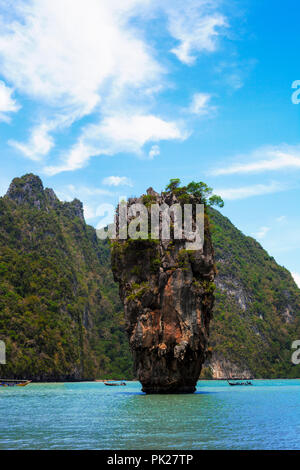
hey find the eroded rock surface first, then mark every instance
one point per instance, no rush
(167, 293)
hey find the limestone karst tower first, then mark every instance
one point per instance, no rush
(168, 298)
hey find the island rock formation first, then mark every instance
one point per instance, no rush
(168, 298)
(59, 308)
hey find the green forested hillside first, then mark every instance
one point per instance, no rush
(60, 314)
(257, 306)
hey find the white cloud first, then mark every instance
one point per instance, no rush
(77, 157)
(117, 181)
(4, 184)
(71, 56)
(154, 151)
(200, 104)
(262, 232)
(63, 51)
(196, 24)
(281, 219)
(93, 198)
(89, 212)
(77, 57)
(131, 132)
(39, 144)
(296, 277)
(7, 103)
(249, 191)
(235, 80)
(115, 134)
(69, 192)
(234, 73)
(265, 159)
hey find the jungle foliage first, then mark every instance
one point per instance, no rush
(60, 313)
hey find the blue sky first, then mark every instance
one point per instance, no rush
(104, 98)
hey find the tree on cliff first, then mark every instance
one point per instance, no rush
(199, 190)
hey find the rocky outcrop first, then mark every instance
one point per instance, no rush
(223, 369)
(29, 190)
(256, 311)
(167, 293)
(59, 305)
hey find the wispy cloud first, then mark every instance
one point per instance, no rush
(234, 73)
(200, 104)
(154, 151)
(196, 25)
(264, 159)
(7, 103)
(89, 212)
(115, 134)
(281, 219)
(99, 61)
(67, 64)
(117, 181)
(39, 144)
(93, 198)
(250, 191)
(261, 233)
(69, 192)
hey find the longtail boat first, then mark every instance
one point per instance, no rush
(239, 381)
(14, 383)
(114, 384)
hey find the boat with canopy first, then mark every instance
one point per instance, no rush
(14, 383)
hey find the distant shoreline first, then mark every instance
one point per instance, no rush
(135, 380)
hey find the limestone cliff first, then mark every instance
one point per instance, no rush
(168, 298)
(256, 310)
(222, 368)
(60, 316)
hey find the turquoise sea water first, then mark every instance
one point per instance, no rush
(92, 416)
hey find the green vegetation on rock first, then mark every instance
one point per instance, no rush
(257, 305)
(60, 313)
(199, 190)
